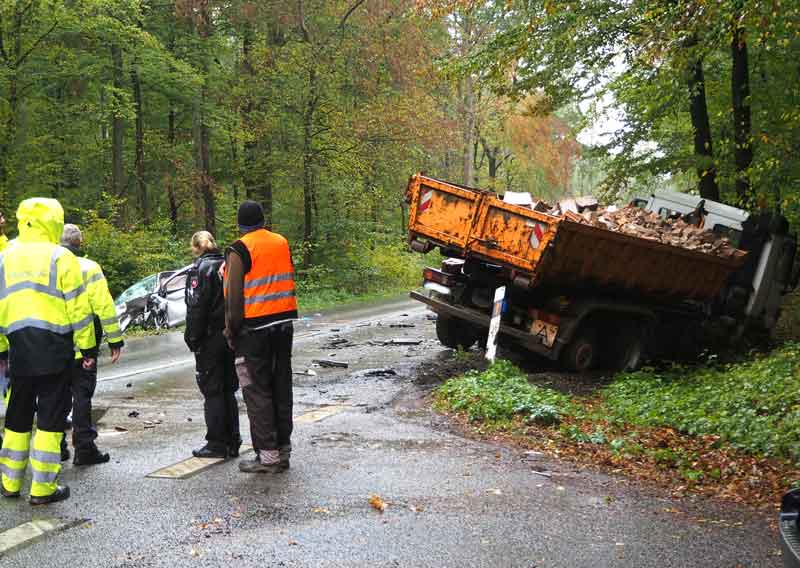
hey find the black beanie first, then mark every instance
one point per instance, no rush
(250, 216)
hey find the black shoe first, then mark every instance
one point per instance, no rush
(233, 451)
(207, 452)
(90, 458)
(61, 494)
(8, 494)
(285, 452)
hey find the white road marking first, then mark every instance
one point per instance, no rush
(319, 414)
(189, 467)
(32, 531)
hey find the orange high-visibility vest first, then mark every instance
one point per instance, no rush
(269, 284)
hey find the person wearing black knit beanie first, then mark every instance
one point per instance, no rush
(260, 306)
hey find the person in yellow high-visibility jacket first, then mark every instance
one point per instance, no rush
(84, 379)
(3, 377)
(44, 313)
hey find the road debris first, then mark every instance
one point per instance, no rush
(377, 503)
(307, 372)
(377, 372)
(133, 414)
(402, 325)
(120, 429)
(542, 473)
(395, 342)
(329, 363)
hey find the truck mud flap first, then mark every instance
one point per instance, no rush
(480, 319)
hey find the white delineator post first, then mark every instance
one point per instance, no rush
(494, 325)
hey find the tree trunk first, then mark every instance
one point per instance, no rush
(203, 186)
(117, 126)
(469, 130)
(309, 198)
(740, 90)
(171, 197)
(698, 109)
(144, 203)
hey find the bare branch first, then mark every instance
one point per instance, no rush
(352, 9)
(301, 21)
(41, 38)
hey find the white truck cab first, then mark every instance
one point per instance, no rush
(767, 273)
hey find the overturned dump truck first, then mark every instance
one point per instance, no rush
(589, 296)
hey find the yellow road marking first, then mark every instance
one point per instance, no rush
(189, 467)
(32, 531)
(319, 414)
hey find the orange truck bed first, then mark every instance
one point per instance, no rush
(554, 251)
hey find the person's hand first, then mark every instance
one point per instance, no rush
(88, 362)
(115, 353)
(3, 366)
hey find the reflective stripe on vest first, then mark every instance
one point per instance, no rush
(41, 288)
(269, 285)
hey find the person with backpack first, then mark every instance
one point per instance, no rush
(216, 373)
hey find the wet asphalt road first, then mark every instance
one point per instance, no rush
(451, 501)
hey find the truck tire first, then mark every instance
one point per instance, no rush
(625, 351)
(455, 333)
(581, 354)
(630, 355)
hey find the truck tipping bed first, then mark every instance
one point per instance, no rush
(555, 251)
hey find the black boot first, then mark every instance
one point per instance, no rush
(210, 452)
(65, 455)
(233, 449)
(61, 494)
(90, 457)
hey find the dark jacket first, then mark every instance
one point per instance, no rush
(205, 305)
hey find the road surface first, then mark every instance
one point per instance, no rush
(359, 433)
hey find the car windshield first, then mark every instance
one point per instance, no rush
(141, 288)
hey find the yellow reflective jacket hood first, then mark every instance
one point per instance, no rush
(40, 219)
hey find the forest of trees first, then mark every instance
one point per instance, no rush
(150, 119)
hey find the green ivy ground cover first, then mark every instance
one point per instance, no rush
(752, 405)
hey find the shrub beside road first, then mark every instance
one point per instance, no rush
(726, 429)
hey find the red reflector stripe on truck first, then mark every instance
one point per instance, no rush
(425, 201)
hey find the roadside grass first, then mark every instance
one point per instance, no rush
(732, 430)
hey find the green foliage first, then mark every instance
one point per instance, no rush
(128, 256)
(755, 406)
(500, 394)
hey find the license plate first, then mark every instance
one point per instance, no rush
(545, 332)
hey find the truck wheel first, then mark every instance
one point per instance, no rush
(581, 353)
(630, 355)
(455, 333)
(626, 350)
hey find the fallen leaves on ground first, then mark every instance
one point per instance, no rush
(679, 462)
(377, 503)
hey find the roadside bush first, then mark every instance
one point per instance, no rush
(755, 406)
(500, 394)
(129, 256)
(359, 271)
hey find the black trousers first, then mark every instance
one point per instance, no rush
(216, 379)
(83, 384)
(44, 396)
(267, 389)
